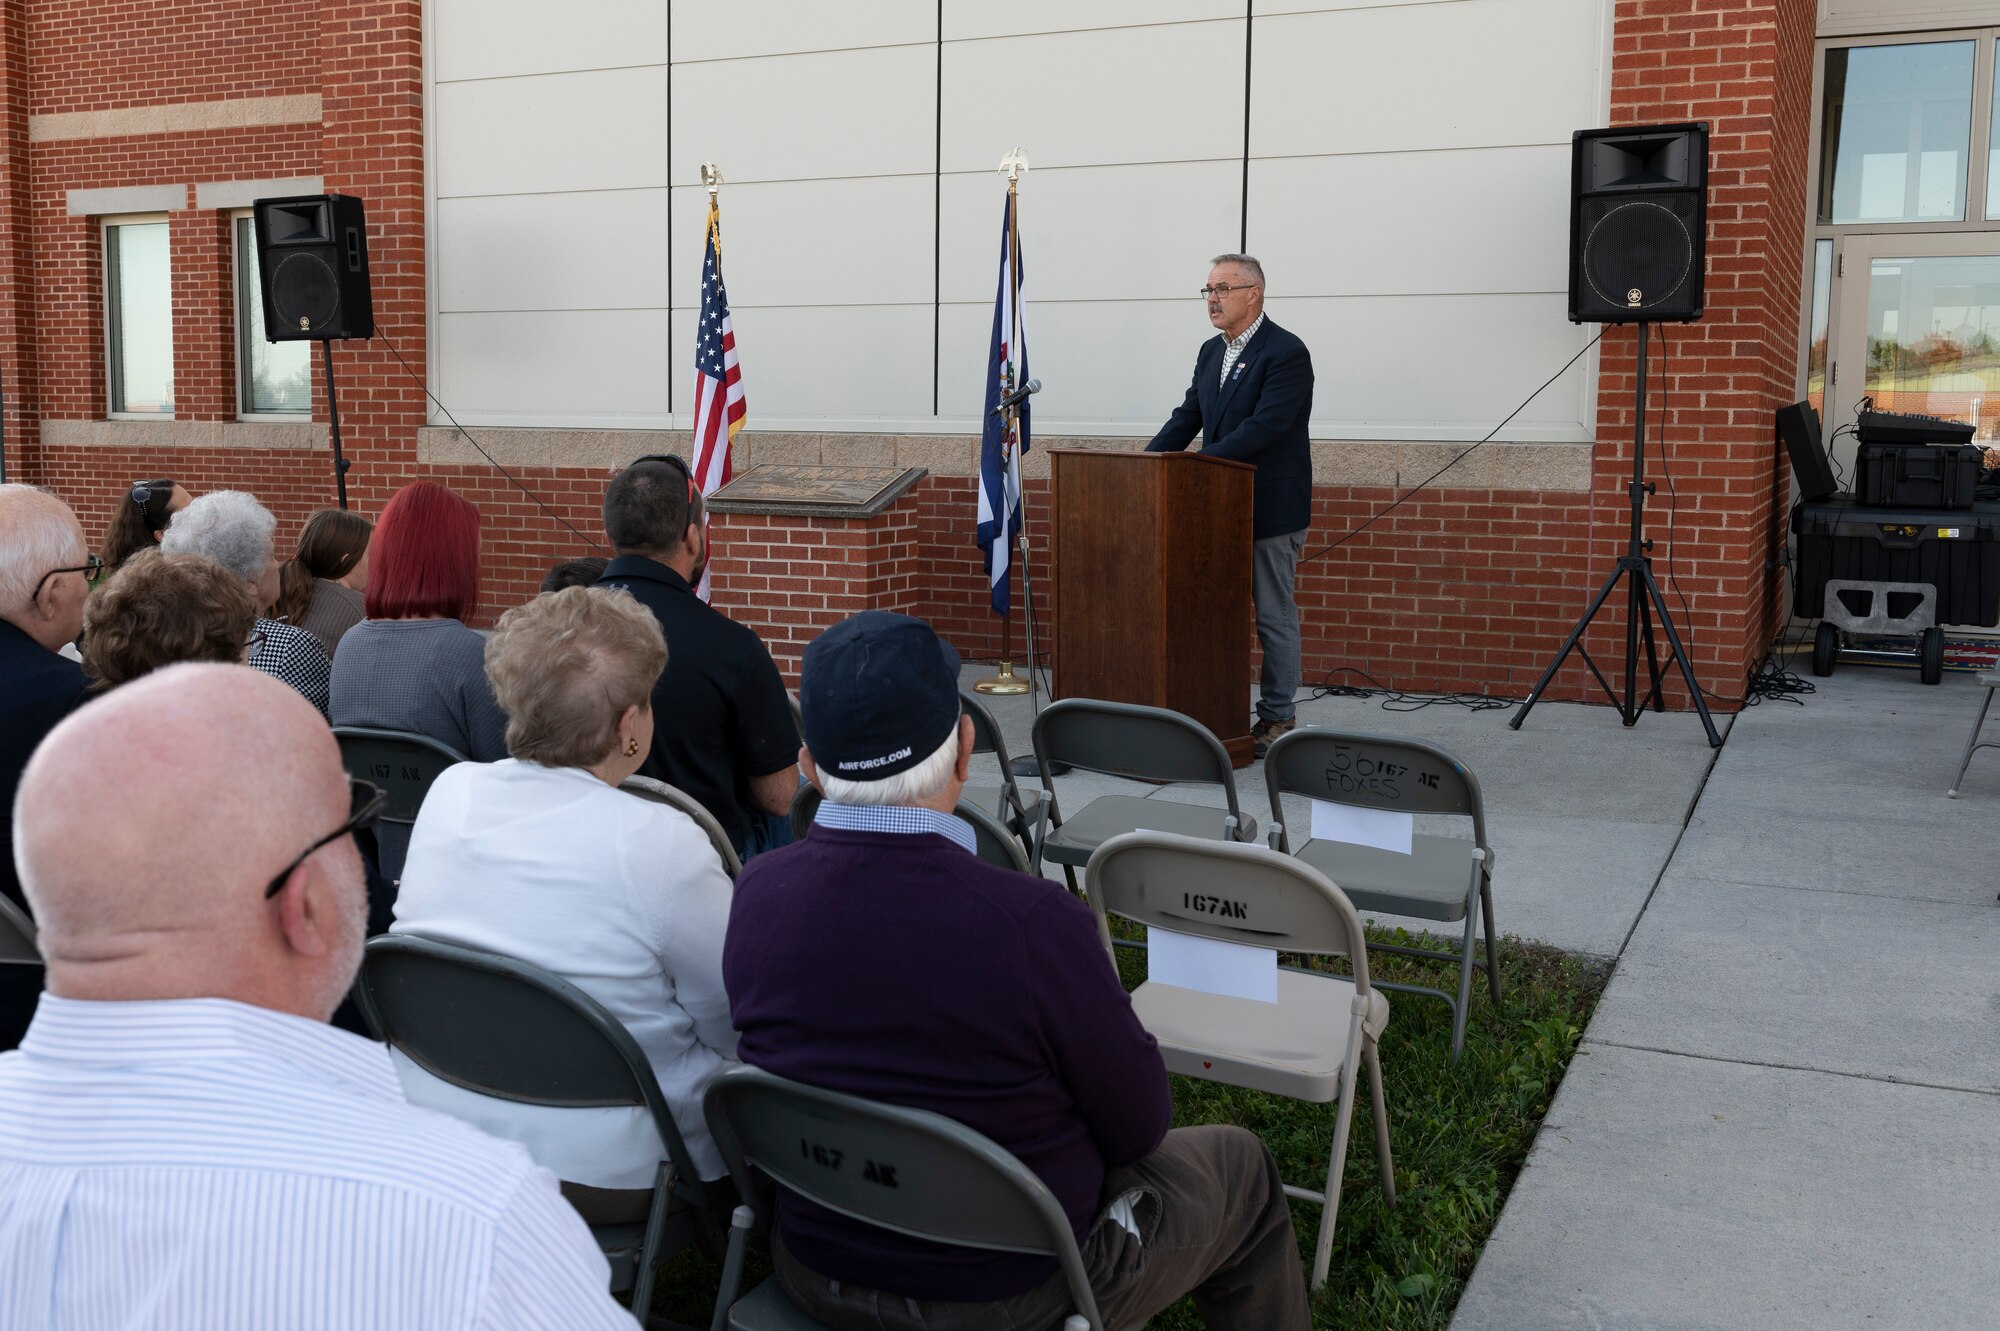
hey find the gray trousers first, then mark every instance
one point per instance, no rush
(1273, 570)
(1213, 1223)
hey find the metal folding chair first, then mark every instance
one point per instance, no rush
(645, 787)
(21, 974)
(1447, 879)
(1144, 744)
(1310, 1043)
(1020, 810)
(1972, 742)
(908, 1171)
(504, 1028)
(403, 765)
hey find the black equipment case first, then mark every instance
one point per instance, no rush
(1913, 476)
(1957, 551)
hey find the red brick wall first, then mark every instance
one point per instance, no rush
(95, 55)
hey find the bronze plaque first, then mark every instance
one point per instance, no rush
(811, 490)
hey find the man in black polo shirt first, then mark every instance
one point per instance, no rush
(722, 727)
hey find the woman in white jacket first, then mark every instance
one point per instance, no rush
(541, 857)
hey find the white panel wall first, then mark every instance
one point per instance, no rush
(1405, 183)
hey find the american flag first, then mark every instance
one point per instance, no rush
(718, 383)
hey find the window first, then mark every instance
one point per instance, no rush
(272, 378)
(1896, 133)
(138, 318)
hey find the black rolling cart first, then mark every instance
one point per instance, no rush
(1869, 569)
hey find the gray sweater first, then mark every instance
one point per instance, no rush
(426, 676)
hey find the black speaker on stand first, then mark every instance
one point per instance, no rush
(1637, 254)
(312, 259)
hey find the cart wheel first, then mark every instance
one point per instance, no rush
(1826, 649)
(1930, 656)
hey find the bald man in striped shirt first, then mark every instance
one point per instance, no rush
(184, 1141)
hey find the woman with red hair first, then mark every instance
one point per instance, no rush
(412, 664)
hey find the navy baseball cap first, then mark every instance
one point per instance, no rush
(879, 694)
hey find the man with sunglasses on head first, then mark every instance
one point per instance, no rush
(45, 572)
(183, 1139)
(722, 725)
(1251, 396)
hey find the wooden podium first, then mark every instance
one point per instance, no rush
(1152, 555)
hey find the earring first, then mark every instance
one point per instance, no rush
(632, 746)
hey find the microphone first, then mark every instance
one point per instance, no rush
(1017, 397)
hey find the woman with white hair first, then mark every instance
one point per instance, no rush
(541, 857)
(233, 529)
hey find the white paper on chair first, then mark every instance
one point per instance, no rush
(1211, 965)
(1384, 829)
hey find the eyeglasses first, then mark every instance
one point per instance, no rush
(1206, 292)
(255, 640)
(677, 462)
(365, 801)
(90, 568)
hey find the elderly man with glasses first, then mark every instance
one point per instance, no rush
(183, 1139)
(1251, 396)
(45, 572)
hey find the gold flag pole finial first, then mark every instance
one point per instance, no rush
(1006, 683)
(711, 176)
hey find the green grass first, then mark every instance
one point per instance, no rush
(1459, 1133)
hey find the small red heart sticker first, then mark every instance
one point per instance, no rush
(1205, 1063)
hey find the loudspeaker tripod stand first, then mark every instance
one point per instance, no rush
(1642, 602)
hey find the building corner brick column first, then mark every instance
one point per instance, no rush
(1745, 67)
(17, 267)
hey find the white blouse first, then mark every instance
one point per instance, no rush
(622, 897)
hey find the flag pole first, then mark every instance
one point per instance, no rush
(1005, 683)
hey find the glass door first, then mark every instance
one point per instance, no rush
(1918, 331)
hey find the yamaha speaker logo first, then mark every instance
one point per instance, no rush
(1633, 298)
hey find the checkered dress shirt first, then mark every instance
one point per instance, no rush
(290, 653)
(897, 818)
(1234, 347)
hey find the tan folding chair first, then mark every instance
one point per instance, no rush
(1447, 879)
(1306, 1046)
(1142, 743)
(1020, 810)
(645, 787)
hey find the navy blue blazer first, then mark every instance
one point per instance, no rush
(1258, 416)
(38, 688)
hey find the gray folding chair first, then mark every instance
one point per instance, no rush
(403, 765)
(504, 1028)
(908, 1171)
(1972, 742)
(1447, 879)
(645, 787)
(1309, 1044)
(1145, 744)
(997, 845)
(21, 974)
(1020, 810)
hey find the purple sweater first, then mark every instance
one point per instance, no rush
(900, 968)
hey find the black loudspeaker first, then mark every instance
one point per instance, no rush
(312, 255)
(1638, 224)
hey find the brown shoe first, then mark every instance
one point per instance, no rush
(1266, 731)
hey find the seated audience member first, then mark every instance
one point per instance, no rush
(139, 519)
(320, 587)
(985, 995)
(723, 726)
(159, 609)
(233, 529)
(413, 665)
(45, 569)
(183, 1140)
(582, 572)
(541, 857)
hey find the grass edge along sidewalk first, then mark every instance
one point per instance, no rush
(1460, 1135)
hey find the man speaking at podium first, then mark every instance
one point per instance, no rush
(1251, 396)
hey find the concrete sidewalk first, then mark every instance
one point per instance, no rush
(1786, 1110)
